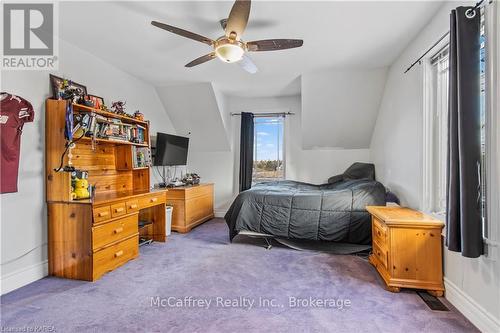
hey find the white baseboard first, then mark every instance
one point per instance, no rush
(477, 315)
(220, 212)
(23, 276)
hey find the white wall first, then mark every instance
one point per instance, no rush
(195, 111)
(339, 107)
(472, 284)
(23, 225)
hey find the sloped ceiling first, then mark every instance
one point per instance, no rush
(339, 108)
(195, 113)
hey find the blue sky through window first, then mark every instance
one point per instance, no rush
(268, 139)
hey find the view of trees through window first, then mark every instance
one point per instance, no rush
(268, 161)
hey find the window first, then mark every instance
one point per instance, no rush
(438, 131)
(483, 126)
(268, 161)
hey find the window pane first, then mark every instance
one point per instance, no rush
(268, 149)
(483, 122)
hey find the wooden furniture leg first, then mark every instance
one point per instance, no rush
(436, 293)
(393, 289)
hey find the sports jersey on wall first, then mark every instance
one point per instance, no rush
(14, 112)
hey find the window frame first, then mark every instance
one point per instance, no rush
(267, 114)
(428, 164)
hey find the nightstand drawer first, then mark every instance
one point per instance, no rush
(102, 214)
(118, 209)
(113, 231)
(380, 254)
(379, 233)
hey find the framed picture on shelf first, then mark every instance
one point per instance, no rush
(62, 88)
(98, 101)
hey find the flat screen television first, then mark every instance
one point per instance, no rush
(171, 150)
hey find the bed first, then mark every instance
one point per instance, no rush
(330, 212)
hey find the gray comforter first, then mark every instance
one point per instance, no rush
(289, 209)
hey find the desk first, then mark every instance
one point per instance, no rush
(92, 237)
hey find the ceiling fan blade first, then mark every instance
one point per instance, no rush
(201, 60)
(247, 64)
(183, 33)
(223, 24)
(238, 18)
(274, 44)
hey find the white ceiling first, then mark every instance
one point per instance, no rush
(350, 34)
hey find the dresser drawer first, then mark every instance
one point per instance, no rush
(379, 233)
(102, 213)
(118, 209)
(198, 208)
(116, 255)
(380, 254)
(151, 200)
(132, 206)
(113, 231)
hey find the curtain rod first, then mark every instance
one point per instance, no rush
(470, 10)
(266, 114)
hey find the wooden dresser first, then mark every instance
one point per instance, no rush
(193, 205)
(89, 237)
(407, 249)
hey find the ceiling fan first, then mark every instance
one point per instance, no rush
(230, 47)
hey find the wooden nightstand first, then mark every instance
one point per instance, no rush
(407, 249)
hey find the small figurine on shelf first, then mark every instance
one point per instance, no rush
(81, 190)
(104, 108)
(118, 107)
(191, 179)
(138, 115)
(88, 103)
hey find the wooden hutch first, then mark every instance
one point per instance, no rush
(89, 237)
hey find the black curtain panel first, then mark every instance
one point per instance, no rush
(246, 151)
(463, 218)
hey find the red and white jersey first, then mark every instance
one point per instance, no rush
(14, 112)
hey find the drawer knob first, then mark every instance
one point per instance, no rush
(118, 210)
(118, 230)
(133, 206)
(119, 254)
(154, 199)
(101, 214)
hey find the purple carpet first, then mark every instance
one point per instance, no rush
(198, 282)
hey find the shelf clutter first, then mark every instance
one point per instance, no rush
(99, 125)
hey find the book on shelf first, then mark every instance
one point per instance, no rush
(141, 157)
(110, 128)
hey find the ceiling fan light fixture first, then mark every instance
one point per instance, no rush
(229, 52)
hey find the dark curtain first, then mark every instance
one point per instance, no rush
(246, 151)
(463, 218)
